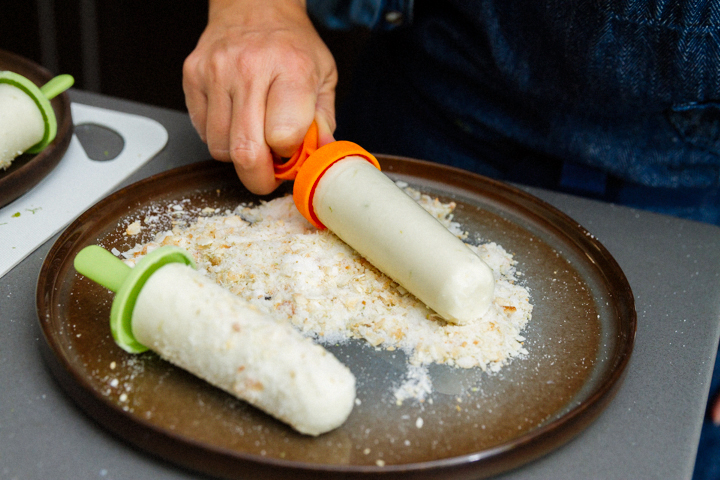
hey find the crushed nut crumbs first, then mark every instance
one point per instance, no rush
(272, 257)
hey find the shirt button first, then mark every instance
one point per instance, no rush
(394, 18)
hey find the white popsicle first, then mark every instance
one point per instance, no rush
(21, 123)
(165, 305)
(195, 324)
(370, 213)
(27, 119)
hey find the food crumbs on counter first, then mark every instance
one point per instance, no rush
(419, 422)
(380, 463)
(269, 255)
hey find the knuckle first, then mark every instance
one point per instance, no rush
(245, 153)
(191, 78)
(217, 64)
(248, 65)
(300, 64)
(190, 64)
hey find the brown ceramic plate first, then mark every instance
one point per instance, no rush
(27, 170)
(474, 424)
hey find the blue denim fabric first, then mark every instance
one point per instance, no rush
(630, 88)
(615, 85)
(371, 14)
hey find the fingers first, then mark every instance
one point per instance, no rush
(227, 109)
(255, 82)
(195, 98)
(274, 120)
(251, 123)
(248, 149)
(217, 131)
(290, 111)
(259, 178)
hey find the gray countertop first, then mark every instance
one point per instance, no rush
(650, 429)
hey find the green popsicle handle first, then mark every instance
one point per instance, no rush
(41, 97)
(104, 268)
(57, 85)
(101, 267)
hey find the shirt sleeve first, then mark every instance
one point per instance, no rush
(371, 14)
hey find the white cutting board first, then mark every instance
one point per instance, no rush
(76, 183)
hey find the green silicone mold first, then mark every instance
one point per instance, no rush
(41, 96)
(103, 267)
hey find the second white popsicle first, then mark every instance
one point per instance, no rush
(165, 305)
(195, 324)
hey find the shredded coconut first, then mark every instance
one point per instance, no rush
(133, 229)
(416, 384)
(272, 257)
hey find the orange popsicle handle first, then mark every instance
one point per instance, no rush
(289, 169)
(314, 168)
(309, 163)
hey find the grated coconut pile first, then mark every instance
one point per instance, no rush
(272, 257)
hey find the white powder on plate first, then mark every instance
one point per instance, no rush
(272, 257)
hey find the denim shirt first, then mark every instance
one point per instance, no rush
(371, 14)
(629, 87)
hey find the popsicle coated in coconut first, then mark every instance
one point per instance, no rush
(199, 326)
(21, 123)
(340, 187)
(27, 120)
(369, 212)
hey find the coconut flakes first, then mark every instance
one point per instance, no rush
(272, 257)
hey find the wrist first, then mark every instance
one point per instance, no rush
(224, 9)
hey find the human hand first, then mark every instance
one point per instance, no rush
(258, 77)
